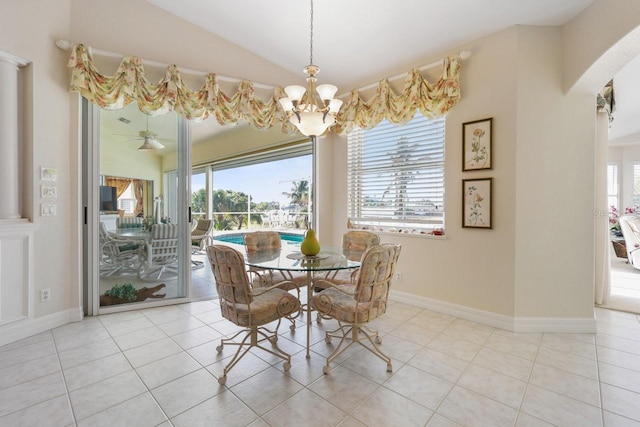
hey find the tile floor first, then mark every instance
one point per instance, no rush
(158, 367)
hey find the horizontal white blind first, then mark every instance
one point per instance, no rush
(396, 175)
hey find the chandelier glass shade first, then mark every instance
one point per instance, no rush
(312, 109)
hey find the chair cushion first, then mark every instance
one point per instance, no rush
(265, 308)
(128, 247)
(262, 240)
(344, 307)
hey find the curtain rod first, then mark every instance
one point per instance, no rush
(465, 54)
(66, 45)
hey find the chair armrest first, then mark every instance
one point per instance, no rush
(326, 284)
(261, 290)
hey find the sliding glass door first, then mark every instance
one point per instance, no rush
(138, 210)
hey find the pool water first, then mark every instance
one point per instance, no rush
(238, 238)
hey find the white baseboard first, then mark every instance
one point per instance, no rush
(571, 325)
(508, 323)
(25, 328)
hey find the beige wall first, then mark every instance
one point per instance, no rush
(472, 267)
(598, 43)
(555, 173)
(127, 161)
(28, 29)
(529, 264)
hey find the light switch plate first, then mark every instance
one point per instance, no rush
(48, 210)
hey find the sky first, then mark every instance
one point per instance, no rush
(265, 182)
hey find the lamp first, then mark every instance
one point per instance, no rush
(312, 109)
(150, 141)
(150, 144)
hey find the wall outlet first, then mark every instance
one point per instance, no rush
(398, 276)
(45, 295)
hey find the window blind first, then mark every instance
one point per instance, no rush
(396, 175)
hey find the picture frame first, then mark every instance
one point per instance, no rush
(48, 174)
(477, 203)
(477, 145)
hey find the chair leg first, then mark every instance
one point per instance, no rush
(352, 334)
(254, 337)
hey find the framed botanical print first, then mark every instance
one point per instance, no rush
(477, 145)
(477, 200)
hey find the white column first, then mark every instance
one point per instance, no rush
(9, 142)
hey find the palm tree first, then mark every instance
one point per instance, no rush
(401, 159)
(299, 194)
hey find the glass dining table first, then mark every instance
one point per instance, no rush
(289, 258)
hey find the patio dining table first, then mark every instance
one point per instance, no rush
(289, 258)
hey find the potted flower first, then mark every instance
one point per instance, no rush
(614, 214)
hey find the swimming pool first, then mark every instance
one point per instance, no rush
(238, 239)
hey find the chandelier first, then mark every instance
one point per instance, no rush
(312, 109)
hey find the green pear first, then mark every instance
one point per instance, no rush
(310, 244)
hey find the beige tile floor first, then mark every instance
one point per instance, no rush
(159, 367)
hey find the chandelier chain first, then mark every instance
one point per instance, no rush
(311, 37)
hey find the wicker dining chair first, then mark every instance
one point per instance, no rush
(354, 244)
(270, 241)
(354, 306)
(248, 307)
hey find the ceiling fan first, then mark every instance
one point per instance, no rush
(150, 139)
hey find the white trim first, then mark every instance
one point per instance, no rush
(572, 325)
(508, 323)
(25, 328)
(13, 60)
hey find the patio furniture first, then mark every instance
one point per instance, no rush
(128, 222)
(200, 237)
(354, 306)
(118, 254)
(247, 307)
(162, 250)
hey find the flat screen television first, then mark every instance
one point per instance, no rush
(108, 199)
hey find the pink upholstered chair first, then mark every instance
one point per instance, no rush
(354, 244)
(250, 308)
(354, 306)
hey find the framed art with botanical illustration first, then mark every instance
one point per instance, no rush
(477, 199)
(477, 145)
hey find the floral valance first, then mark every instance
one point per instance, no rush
(432, 99)
(129, 84)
